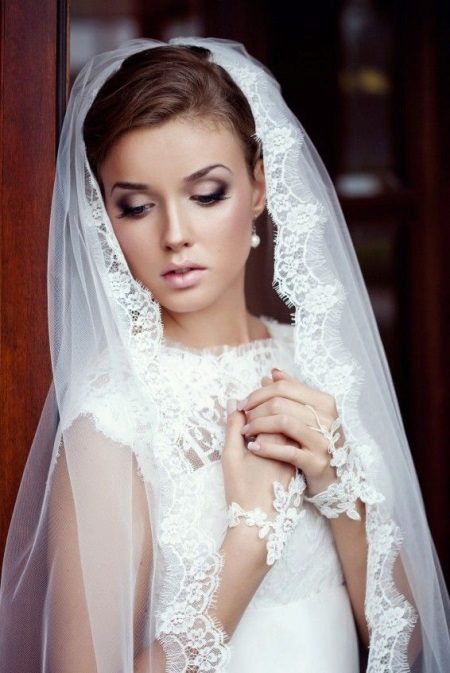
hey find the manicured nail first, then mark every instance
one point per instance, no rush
(275, 369)
(241, 404)
(245, 428)
(231, 406)
(253, 446)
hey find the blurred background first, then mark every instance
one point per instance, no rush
(368, 79)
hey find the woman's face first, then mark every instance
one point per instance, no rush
(180, 194)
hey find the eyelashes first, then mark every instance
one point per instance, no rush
(132, 211)
(208, 199)
(204, 200)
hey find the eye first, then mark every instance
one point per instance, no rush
(210, 199)
(133, 211)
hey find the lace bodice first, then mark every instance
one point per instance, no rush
(199, 382)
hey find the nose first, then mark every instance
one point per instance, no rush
(176, 232)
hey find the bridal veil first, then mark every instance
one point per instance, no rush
(82, 552)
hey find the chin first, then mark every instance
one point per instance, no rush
(193, 299)
(185, 305)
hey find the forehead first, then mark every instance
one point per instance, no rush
(172, 150)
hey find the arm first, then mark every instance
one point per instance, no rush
(244, 569)
(100, 546)
(98, 527)
(248, 481)
(281, 405)
(351, 544)
(352, 548)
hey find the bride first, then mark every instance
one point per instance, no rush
(211, 490)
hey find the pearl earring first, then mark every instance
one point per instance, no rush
(255, 240)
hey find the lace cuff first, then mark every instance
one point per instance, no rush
(288, 505)
(339, 497)
(351, 484)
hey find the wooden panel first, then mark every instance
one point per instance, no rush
(28, 131)
(441, 35)
(428, 272)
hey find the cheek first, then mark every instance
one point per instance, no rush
(137, 246)
(232, 230)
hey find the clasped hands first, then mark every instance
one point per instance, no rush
(281, 426)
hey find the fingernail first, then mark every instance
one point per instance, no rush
(253, 446)
(275, 369)
(241, 404)
(231, 406)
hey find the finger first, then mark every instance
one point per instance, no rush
(265, 381)
(281, 405)
(286, 424)
(234, 440)
(288, 453)
(274, 438)
(291, 427)
(291, 389)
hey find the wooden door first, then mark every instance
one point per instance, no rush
(32, 94)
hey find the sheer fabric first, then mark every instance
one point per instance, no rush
(112, 559)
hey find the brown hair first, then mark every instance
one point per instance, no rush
(161, 83)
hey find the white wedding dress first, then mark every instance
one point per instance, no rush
(300, 619)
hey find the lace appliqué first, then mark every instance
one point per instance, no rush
(390, 616)
(192, 639)
(287, 503)
(351, 484)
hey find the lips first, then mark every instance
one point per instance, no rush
(178, 279)
(181, 268)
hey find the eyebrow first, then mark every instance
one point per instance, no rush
(190, 178)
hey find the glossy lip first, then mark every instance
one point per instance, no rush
(186, 264)
(179, 281)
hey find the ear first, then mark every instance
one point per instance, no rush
(259, 188)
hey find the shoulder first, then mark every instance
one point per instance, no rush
(106, 394)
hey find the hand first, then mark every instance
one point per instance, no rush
(279, 406)
(247, 479)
